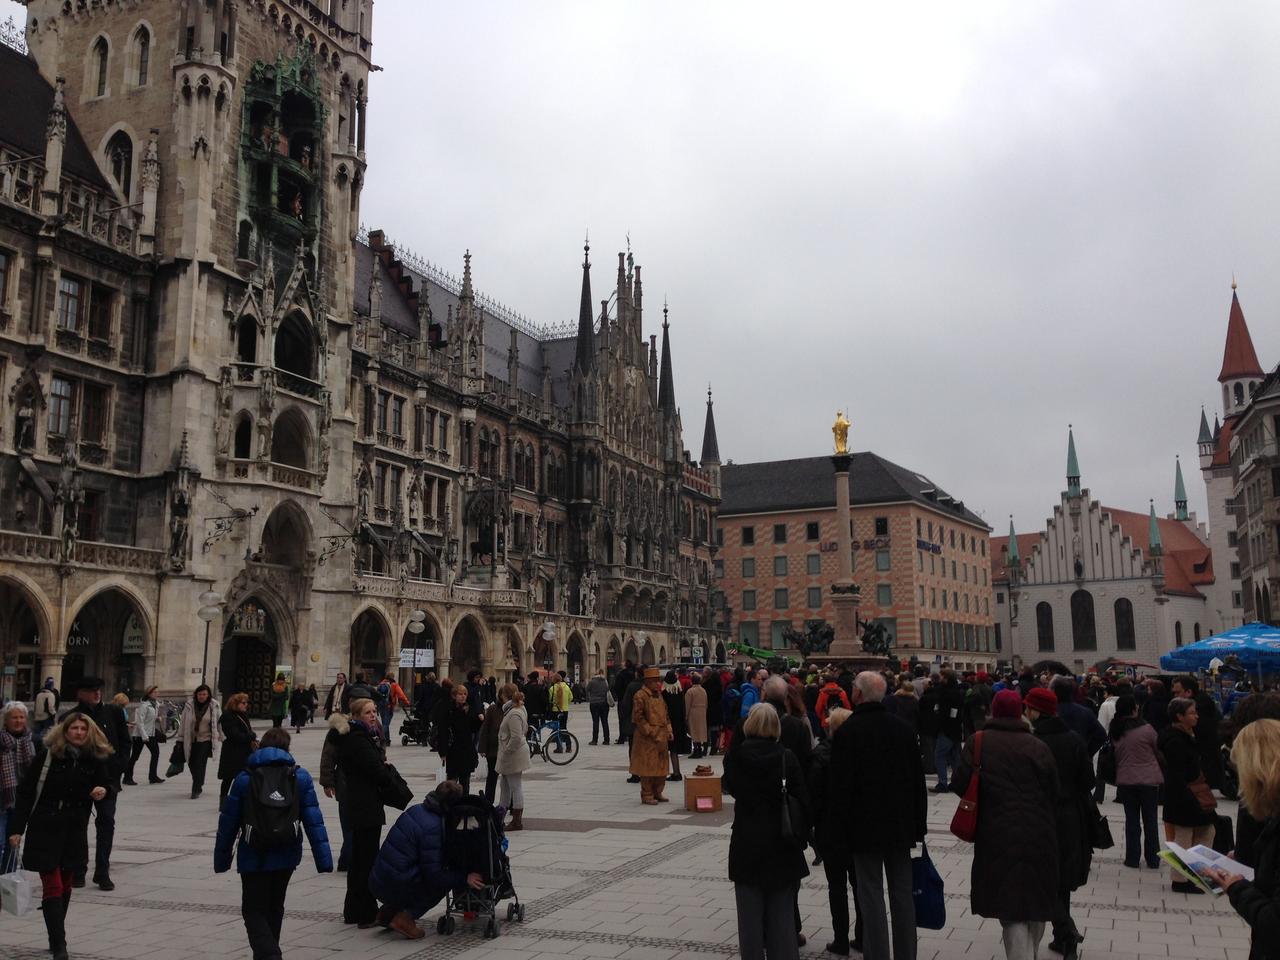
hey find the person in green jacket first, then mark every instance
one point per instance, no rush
(279, 706)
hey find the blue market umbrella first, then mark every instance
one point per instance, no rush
(1256, 647)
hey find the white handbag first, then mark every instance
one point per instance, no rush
(21, 890)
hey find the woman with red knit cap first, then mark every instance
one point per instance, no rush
(1015, 875)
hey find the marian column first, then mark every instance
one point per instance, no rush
(844, 592)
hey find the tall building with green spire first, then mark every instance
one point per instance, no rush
(1179, 492)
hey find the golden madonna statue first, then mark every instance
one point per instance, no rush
(840, 430)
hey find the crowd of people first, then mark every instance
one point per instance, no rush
(822, 758)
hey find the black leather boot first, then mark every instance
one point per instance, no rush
(55, 917)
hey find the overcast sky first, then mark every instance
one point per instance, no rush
(972, 223)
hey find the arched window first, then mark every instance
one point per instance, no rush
(1125, 639)
(1239, 394)
(518, 467)
(1084, 631)
(120, 161)
(293, 347)
(100, 57)
(1044, 625)
(291, 440)
(1177, 632)
(244, 438)
(142, 55)
(1195, 632)
(247, 340)
(530, 468)
(244, 241)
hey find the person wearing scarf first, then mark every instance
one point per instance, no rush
(199, 731)
(17, 748)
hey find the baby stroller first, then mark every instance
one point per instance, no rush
(474, 843)
(413, 729)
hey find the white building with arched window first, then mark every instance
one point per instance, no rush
(1101, 584)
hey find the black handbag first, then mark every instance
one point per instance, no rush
(928, 892)
(794, 827)
(394, 792)
(1107, 763)
(1099, 827)
(177, 759)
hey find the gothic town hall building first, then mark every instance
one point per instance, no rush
(214, 382)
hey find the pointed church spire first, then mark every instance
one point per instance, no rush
(1153, 533)
(585, 358)
(1073, 465)
(1014, 559)
(1239, 359)
(710, 445)
(666, 384)
(1179, 491)
(1205, 435)
(466, 293)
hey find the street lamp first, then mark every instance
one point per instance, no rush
(549, 634)
(210, 610)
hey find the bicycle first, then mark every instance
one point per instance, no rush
(560, 746)
(169, 718)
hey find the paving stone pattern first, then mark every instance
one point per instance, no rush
(600, 874)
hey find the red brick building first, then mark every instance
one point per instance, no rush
(921, 558)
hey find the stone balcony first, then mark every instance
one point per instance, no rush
(111, 556)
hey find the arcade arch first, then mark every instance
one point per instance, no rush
(370, 643)
(466, 650)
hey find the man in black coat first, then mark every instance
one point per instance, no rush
(877, 779)
(333, 699)
(1077, 716)
(1208, 740)
(620, 683)
(111, 720)
(946, 709)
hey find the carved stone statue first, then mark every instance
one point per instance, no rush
(840, 430)
(178, 531)
(70, 496)
(222, 422)
(363, 484)
(25, 434)
(540, 531)
(264, 437)
(591, 586)
(267, 396)
(564, 594)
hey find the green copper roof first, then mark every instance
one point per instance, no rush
(1157, 546)
(1206, 435)
(1179, 491)
(1073, 465)
(1014, 559)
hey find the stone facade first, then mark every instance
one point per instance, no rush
(240, 446)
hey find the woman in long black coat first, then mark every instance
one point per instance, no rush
(72, 765)
(239, 741)
(673, 697)
(454, 730)
(715, 692)
(766, 871)
(1186, 823)
(364, 770)
(1072, 811)
(1014, 878)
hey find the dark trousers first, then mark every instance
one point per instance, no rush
(262, 908)
(599, 716)
(766, 922)
(360, 905)
(104, 812)
(154, 749)
(1140, 823)
(344, 854)
(277, 721)
(384, 715)
(490, 780)
(201, 751)
(946, 757)
(873, 869)
(1064, 928)
(624, 732)
(840, 880)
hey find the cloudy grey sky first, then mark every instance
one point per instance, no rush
(971, 223)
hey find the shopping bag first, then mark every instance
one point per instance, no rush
(177, 760)
(964, 822)
(927, 891)
(20, 892)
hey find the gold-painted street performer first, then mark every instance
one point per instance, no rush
(651, 736)
(840, 429)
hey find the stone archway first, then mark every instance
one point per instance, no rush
(108, 638)
(370, 644)
(515, 650)
(720, 653)
(250, 654)
(647, 654)
(24, 638)
(576, 658)
(632, 651)
(466, 650)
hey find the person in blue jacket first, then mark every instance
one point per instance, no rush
(410, 875)
(265, 874)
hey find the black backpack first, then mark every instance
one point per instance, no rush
(271, 811)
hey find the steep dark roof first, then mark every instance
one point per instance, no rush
(808, 484)
(1239, 359)
(27, 99)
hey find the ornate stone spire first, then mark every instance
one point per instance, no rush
(56, 126)
(1015, 560)
(666, 383)
(710, 444)
(466, 292)
(585, 357)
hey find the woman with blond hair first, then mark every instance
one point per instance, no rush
(17, 750)
(363, 765)
(1256, 755)
(54, 800)
(513, 753)
(239, 741)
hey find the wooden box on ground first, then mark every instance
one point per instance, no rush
(705, 789)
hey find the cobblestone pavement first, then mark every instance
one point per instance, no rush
(602, 876)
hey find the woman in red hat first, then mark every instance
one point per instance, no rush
(1072, 810)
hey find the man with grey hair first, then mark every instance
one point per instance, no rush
(877, 785)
